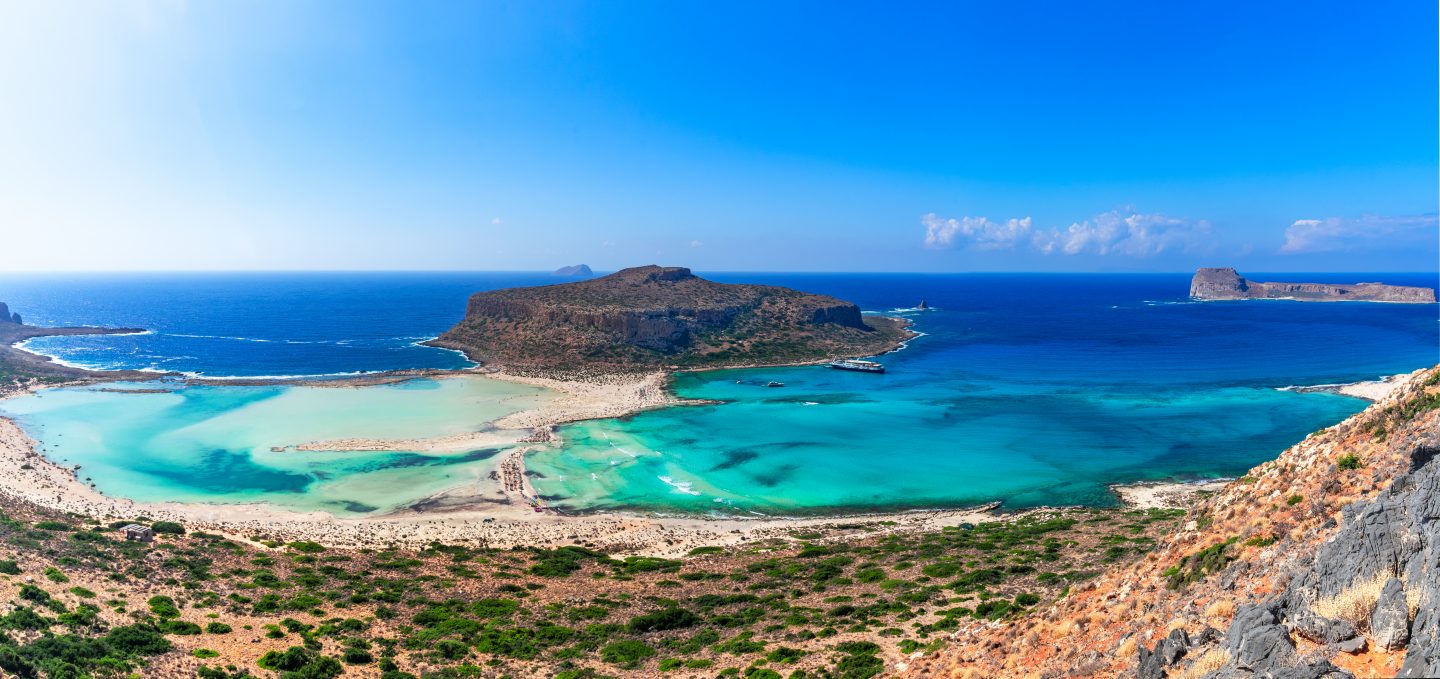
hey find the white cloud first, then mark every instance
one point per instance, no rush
(1359, 234)
(1118, 232)
(495, 221)
(1125, 233)
(978, 233)
(695, 243)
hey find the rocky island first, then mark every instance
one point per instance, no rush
(651, 316)
(575, 271)
(1226, 283)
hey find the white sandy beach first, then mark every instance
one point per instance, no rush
(494, 512)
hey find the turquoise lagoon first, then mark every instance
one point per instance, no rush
(831, 440)
(213, 443)
(1027, 389)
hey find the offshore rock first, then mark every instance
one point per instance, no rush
(1226, 283)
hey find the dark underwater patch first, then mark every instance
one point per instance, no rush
(735, 458)
(227, 471)
(776, 475)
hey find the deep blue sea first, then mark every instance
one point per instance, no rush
(1030, 389)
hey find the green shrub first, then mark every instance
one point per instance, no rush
(169, 527)
(54, 574)
(217, 628)
(307, 547)
(9, 567)
(628, 653)
(1294, 500)
(163, 607)
(179, 627)
(661, 620)
(1348, 461)
(205, 653)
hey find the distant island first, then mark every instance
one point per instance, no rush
(650, 317)
(1226, 283)
(576, 271)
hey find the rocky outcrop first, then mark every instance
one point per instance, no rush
(1227, 284)
(650, 316)
(7, 317)
(575, 271)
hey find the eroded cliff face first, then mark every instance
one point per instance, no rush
(650, 316)
(1322, 563)
(1226, 283)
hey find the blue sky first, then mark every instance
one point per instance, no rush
(1001, 136)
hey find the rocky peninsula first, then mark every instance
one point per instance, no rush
(651, 317)
(1226, 283)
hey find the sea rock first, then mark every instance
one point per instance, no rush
(5, 313)
(1226, 283)
(15, 318)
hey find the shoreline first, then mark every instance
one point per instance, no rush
(1369, 390)
(498, 507)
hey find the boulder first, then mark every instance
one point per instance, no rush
(1390, 622)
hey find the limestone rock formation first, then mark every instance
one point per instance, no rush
(649, 316)
(1226, 283)
(575, 271)
(5, 316)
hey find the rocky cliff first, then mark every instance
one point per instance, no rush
(7, 317)
(651, 316)
(1226, 283)
(1322, 563)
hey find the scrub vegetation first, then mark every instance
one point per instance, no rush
(844, 601)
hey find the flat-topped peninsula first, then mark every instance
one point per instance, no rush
(651, 316)
(1226, 283)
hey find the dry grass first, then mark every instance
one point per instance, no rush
(1224, 609)
(1414, 596)
(1355, 604)
(1213, 659)
(1127, 649)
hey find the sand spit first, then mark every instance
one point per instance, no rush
(483, 514)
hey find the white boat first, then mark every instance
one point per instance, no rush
(857, 365)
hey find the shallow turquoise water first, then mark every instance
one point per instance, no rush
(831, 440)
(213, 444)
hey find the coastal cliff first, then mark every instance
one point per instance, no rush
(1322, 563)
(1226, 283)
(651, 316)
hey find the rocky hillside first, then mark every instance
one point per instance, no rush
(1217, 284)
(653, 316)
(1322, 563)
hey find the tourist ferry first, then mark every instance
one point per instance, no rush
(857, 365)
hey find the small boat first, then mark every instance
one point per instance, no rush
(857, 365)
(775, 384)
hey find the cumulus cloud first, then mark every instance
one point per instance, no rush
(978, 233)
(1360, 234)
(1125, 233)
(695, 243)
(1117, 232)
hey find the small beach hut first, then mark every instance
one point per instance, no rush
(138, 533)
